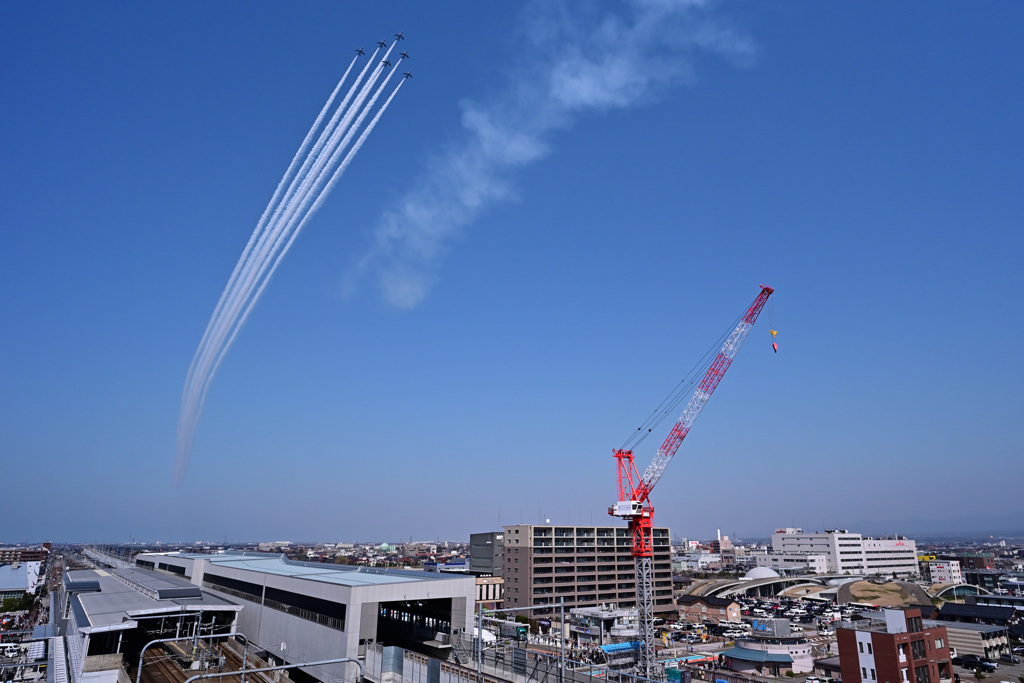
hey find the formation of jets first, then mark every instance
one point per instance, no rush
(387, 62)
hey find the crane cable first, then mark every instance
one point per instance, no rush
(670, 404)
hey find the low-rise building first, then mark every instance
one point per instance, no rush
(984, 640)
(945, 571)
(771, 650)
(602, 625)
(697, 608)
(893, 646)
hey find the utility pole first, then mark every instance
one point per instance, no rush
(561, 639)
(480, 643)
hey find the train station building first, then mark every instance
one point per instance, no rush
(302, 611)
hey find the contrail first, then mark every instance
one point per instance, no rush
(298, 196)
(259, 226)
(260, 253)
(309, 214)
(320, 196)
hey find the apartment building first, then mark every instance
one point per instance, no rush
(851, 553)
(585, 565)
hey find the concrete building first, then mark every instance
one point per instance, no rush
(699, 562)
(850, 553)
(893, 646)
(945, 571)
(585, 565)
(972, 560)
(795, 562)
(323, 611)
(487, 552)
(10, 555)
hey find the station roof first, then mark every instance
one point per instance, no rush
(122, 595)
(344, 575)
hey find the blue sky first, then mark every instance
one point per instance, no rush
(641, 168)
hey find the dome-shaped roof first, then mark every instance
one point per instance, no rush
(760, 573)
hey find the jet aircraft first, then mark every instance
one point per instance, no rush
(381, 43)
(405, 55)
(408, 74)
(385, 62)
(360, 52)
(399, 36)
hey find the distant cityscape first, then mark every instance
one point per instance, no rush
(525, 602)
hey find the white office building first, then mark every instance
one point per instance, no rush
(847, 552)
(945, 571)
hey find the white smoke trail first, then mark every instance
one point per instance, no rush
(258, 257)
(573, 59)
(291, 211)
(320, 197)
(262, 221)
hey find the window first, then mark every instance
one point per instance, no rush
(872, 674)
(917, 649)
(860, 646)
(939, 643)
(869, 649)
(863, 673)
(922, 674)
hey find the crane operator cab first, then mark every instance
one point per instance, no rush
(627, 508)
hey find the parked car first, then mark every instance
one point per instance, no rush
(1009, 659)
(975, 662)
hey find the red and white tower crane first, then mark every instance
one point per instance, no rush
(634, 491)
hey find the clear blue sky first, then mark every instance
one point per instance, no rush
(643, 174)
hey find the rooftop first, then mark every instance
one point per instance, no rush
(105, 600)
(745, 654)
(981, 628)
(340, 574)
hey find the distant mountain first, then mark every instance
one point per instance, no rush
(969, 526)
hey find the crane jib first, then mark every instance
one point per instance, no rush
(634, 491)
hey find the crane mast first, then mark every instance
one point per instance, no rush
(634, 491)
